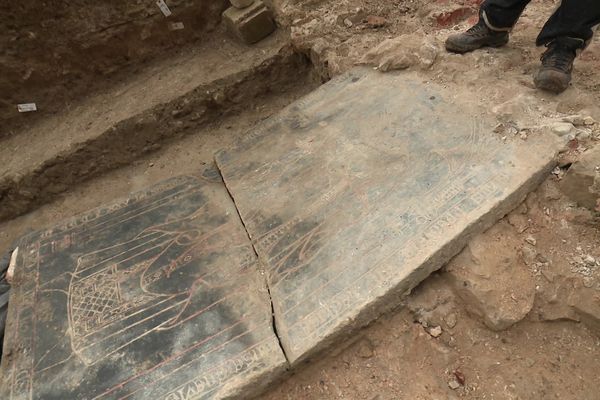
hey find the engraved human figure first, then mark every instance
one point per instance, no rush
(121, 293)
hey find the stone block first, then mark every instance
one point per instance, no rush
(157, 296)
(356, 193)
(489, 276)
(582, 182)
(250, 24)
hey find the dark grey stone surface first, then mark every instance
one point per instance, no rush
(355, 194)
(157, 296)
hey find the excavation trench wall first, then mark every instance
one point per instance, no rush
(128, 139)
(52, 52)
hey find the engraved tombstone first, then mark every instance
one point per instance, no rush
(355, 194)
(155, 297)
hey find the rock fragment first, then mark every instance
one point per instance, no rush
(582, 182)
(492, 280)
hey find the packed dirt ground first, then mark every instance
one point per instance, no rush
(517, 314)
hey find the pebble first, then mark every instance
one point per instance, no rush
(562, 128)
(523, 135)
(576, 119)
(435, 331)
(583, 134)
(589, 121)
(529, 254)
(451, 320)
(589, 260)
(348, 23)
(453, 384)
(558, 172)
(531, 240)
(177, 112)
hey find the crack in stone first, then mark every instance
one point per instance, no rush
(273, 316)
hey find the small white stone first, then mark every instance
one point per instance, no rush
(435, 331)
(562, 128)
(576, 119)
(451, 320)
(583, 134)
(523, 135)
(531, 240)
(589, 121)
(453, 384)
(589, 260)
(26, 107)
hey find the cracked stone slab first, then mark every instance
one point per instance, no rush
(355, 194)
(158, 296)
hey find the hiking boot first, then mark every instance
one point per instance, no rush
(557, 65)
(476, 37)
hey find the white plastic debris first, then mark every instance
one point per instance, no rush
(10, 273)
(164, 8)
(176, 26)
(27, 107)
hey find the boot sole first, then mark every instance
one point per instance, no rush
(550, 86)
(546, 81)
(456, 48)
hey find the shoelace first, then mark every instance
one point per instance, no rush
(478, 30)
(558, 57)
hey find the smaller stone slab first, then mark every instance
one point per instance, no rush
(158, 296)
(252, 23)
(355, 194)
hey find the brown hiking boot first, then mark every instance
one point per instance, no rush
(557, 65)
(476, 37)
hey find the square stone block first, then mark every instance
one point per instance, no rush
(250, 24)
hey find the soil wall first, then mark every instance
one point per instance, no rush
(53, 51)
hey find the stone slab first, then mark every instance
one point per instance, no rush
(158, 296)
(355, 194)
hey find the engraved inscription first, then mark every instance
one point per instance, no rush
(350, 193)
(156, 294)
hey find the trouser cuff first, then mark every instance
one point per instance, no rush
(571, 42)
(486, 20)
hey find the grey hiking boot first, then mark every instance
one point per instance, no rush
(476, 37)
(557, 65)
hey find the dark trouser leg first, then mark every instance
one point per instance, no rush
(573, 19)
(502, 15)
